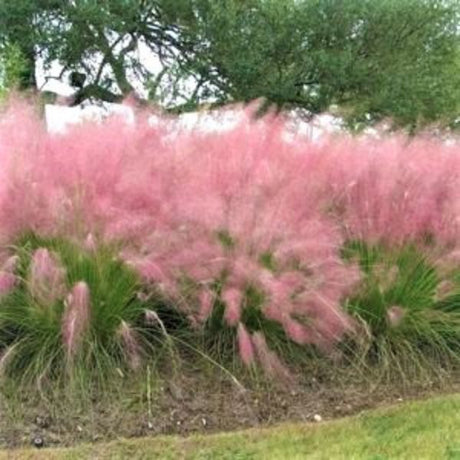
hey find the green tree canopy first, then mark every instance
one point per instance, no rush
(372, 58)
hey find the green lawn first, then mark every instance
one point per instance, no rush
(419, 430)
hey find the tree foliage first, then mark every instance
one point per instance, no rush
(372, 58)
(12, 65)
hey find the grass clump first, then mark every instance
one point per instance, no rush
(237, 233)
(403, 325)
(72, 313)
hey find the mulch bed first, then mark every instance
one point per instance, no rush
(200, 403)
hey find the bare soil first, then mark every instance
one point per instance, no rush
(200, 402)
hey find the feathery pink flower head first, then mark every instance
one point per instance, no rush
(395, 315)
(7, 277)
(151, 317)
(11, 264)
(245, 345)
(46, 277)
(268, 359)
(130, 345)
(7, 282)
(232, 298)
(206, 302)
(76, 317)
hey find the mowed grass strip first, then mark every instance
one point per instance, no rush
(418, 430)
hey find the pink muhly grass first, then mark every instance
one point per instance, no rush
(151, 317)
(206, 303)
(104, 177)
(241, 208)
(7, 282)
(76, 317)
(11, 264)
(130, 344)
(448, 262)
(232, 205)
(395, 315)
(8, 279)
(392, 190)
(297, 332)
(268, 359)
(78, 182)
(232, 298)
(46, 277)
(245, 346)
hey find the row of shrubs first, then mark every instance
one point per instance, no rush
(118, 237)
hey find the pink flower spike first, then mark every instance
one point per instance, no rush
(46, 277)
(75, 320)
(7, 283)
(206, 302)
(11, 264)
(7, 277)
(130, 345)
(268, 359)
(232, 298)
(395, 315)
(245, 345)
(296, 332)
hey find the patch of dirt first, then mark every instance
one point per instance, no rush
(200, 403)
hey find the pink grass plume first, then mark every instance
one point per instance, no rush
(268, 359)
(245, 346)
(205, 304)
(395, 315)
(76, 317)
(46, 277)
(130, 344)
(232, 298)
(8, 279)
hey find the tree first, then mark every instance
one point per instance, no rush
(98, 39)
(371, 58)
(12, 69)
(23, 25)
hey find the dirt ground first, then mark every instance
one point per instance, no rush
(203, 403)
